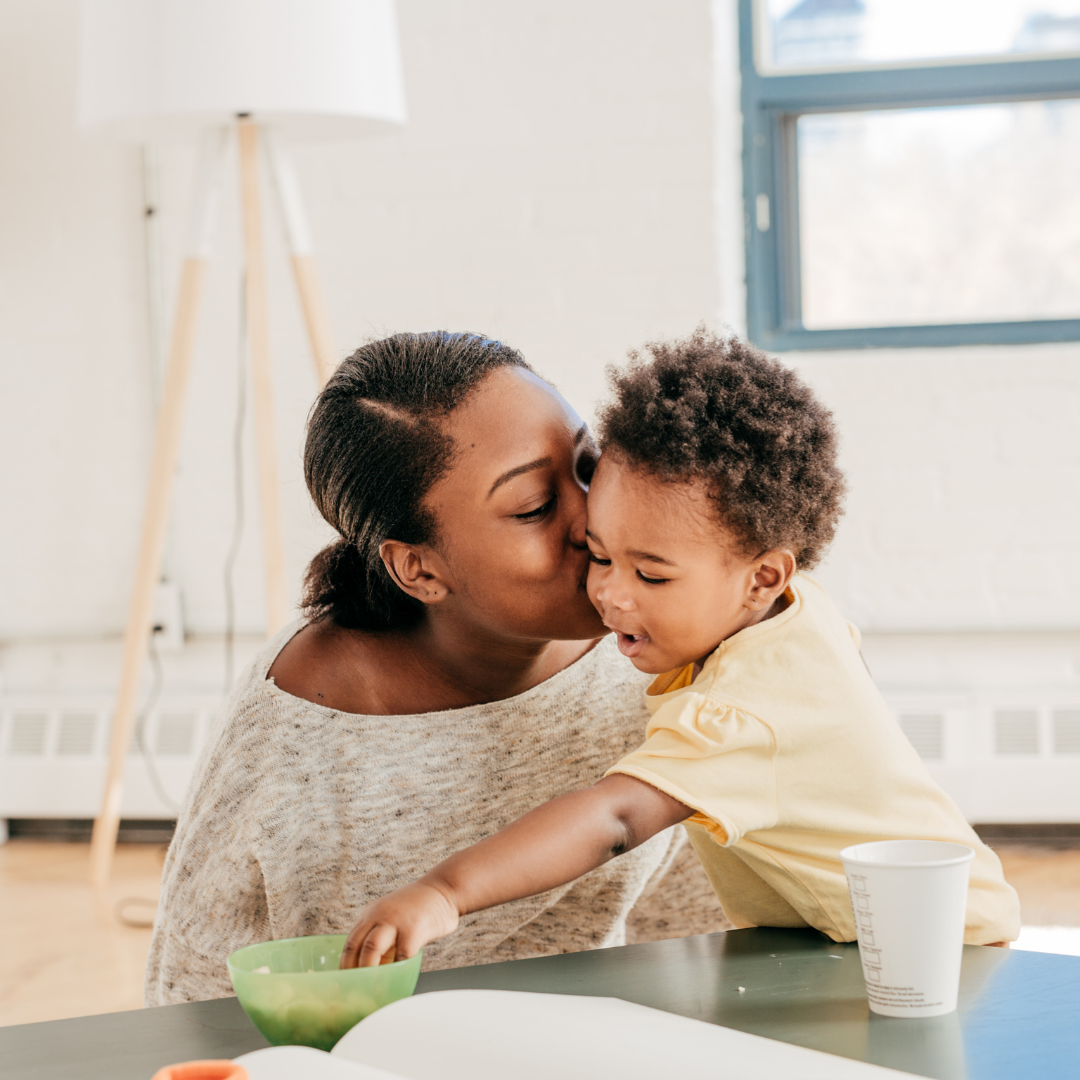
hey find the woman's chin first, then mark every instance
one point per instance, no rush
(580, 623)
(588, 630)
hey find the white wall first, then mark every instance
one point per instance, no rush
(73, 379)
(568, 180)
(958, 554)
(552, 188)
(964, 465)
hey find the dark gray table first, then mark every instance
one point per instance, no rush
(1019, 1012)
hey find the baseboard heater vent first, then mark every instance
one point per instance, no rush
(1016, 732)
(1057, 834)
(926, 732)
(1066, 726)
(77, 830)
(54, 755)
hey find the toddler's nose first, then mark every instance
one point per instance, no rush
(613, 598)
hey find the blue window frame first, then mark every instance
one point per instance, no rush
(772, 104)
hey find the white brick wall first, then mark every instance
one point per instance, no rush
(568, 181)
(965, 486)
(552, 187)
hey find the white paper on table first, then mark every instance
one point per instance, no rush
(505, 1035)
(306, 1063)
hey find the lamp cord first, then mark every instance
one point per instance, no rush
(122, 917)
(140, 725)
(121, 906)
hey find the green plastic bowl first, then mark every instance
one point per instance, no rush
(295, 994)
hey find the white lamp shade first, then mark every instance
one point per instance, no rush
(156, 70)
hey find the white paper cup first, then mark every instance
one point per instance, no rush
(909, 898)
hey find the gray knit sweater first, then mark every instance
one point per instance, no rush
(298, 815)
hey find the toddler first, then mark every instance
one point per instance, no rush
(716, 490)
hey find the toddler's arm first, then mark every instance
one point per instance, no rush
(550, 846)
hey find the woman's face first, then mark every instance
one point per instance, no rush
(511, 511)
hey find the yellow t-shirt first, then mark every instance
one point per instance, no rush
(788, 753)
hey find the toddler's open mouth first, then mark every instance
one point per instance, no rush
(631, 644)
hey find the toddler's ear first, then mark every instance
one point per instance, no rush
(773, 572)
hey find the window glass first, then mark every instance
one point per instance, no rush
(940, 215)
(839, 33)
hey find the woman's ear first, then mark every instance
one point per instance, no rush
(416, 570)
(773, 572)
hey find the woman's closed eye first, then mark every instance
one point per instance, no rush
(539, 512)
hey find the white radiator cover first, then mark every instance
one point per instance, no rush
(57, 698)
(54, 751)
(1004, 758)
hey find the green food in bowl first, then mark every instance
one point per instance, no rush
(295, 994)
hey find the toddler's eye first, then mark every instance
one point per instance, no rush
(599, 562)
(539, 512)
(652, 580)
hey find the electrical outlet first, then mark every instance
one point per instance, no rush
(168, 617)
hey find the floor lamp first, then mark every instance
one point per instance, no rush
(157, 70)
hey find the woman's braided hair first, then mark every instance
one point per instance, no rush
(374, 449)
(719, 410)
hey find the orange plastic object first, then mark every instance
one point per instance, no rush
(202, 1070)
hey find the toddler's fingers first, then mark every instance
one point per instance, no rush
(410, 941)
(380, 940)
(350, 955)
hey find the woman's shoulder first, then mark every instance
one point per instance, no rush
(323, 668)
(254, 712)
(282, 643)
(316, 663)
(270, 720)
(268, 741)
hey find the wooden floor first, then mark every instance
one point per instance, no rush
(64, 951)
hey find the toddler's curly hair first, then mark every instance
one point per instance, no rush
(721, 411)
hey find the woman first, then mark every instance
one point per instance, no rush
(450, 674)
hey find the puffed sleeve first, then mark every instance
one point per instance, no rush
(713, 757)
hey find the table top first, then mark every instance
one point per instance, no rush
(1019, 1013)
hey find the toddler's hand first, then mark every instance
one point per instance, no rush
(395, 926)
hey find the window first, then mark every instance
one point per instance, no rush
(910, 171)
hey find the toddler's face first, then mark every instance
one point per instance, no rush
(664, 575)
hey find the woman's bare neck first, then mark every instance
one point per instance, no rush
(427, 669)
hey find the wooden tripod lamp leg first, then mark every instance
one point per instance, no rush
(318, 322)
(298, 236)
(258, 324)
(155, 522)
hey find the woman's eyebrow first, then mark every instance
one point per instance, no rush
(539, 463)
